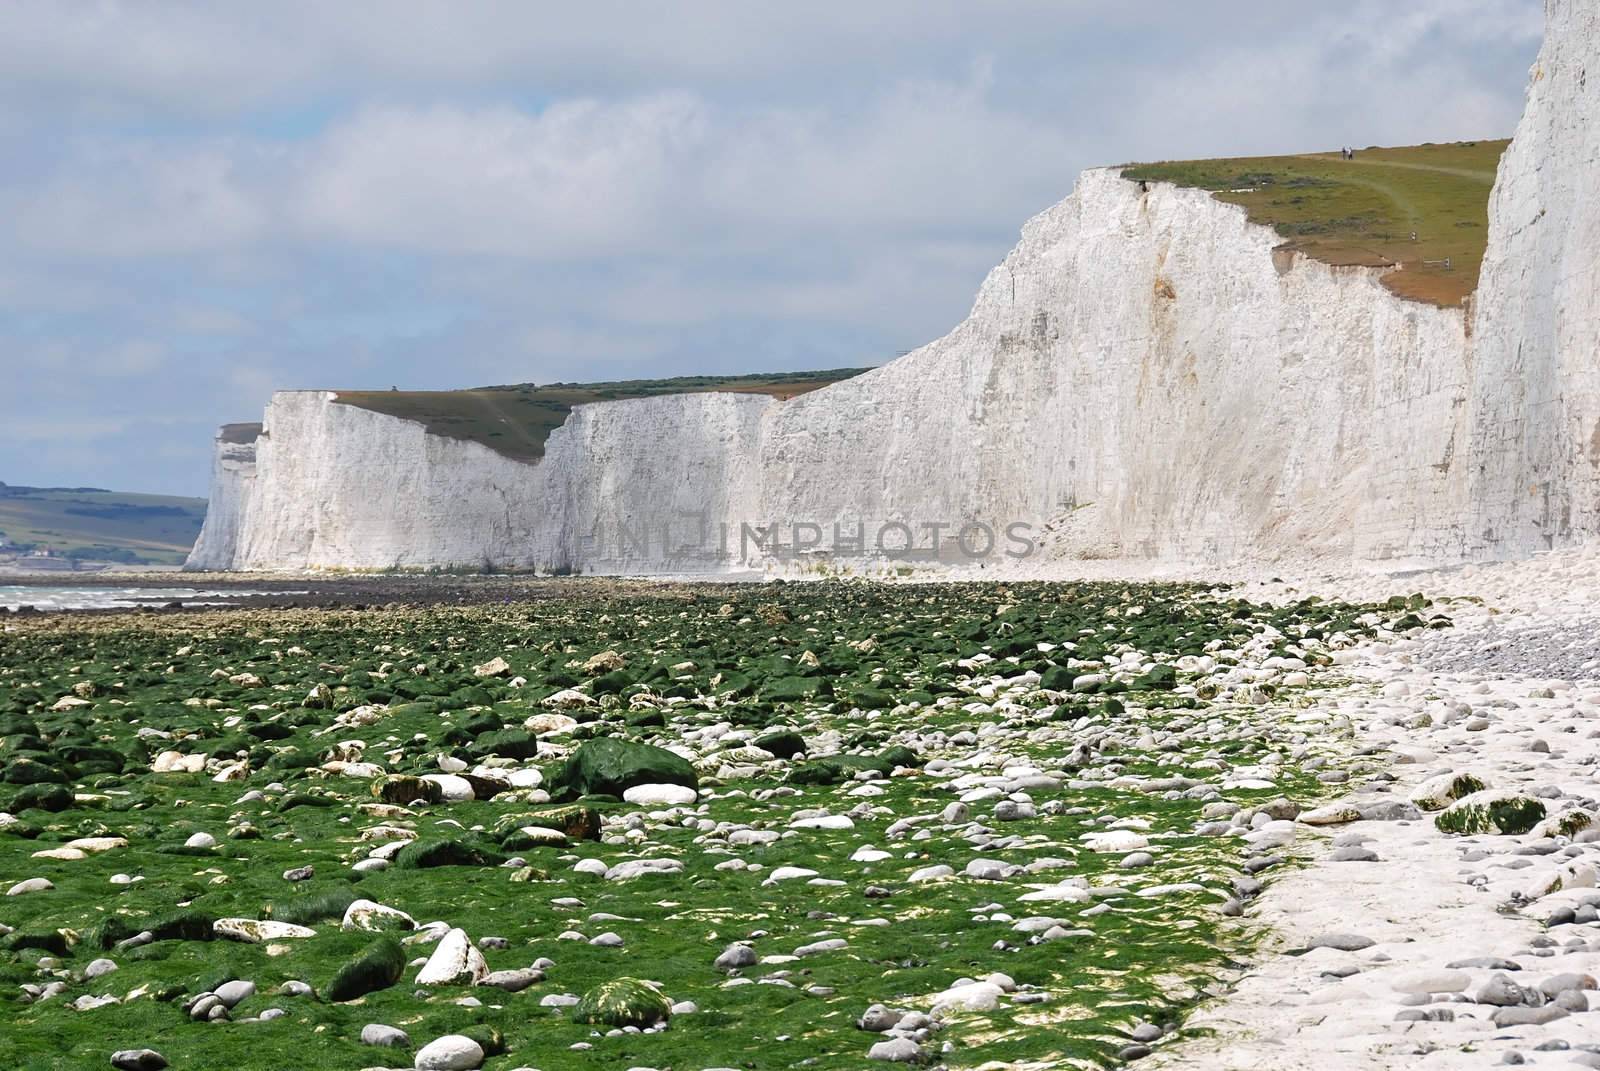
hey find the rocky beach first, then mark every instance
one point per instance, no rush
(1402, 945)
(952, 824)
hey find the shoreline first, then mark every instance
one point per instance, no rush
(1447, 959)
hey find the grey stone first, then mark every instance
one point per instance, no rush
(878, 1019)
(138, 1060)
(1425, 1015)
(203, 1004)
(1557, 984)
(736, 956)
(833, 944)
(1529, 1016)
(231, 993)
(1343, 942)
(896, 1050)
(388, 1036)
(1572, 1000)
(1493, 963)
(513, 981)
(1502, 992)
(1389, 811)
(1011, 811)
(453, 1052)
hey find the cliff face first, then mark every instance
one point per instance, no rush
(233, 477)
(1146, 377)
(1143, 376)
(337, 486)
(1535, 416)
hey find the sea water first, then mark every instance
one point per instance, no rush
(105, 597)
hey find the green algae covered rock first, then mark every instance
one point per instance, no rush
(1440, 792)
(421, 855)
(607, 766)
(312, 906)
(836, 769)
(186, 924)
(794, 689)
(623, 1002)
(379, 966)
(510, 743)
(579, 823)
(53, 798)
(401, 789)
(1159, 679)
(28, 771)
(785, 743)
(1491, 811)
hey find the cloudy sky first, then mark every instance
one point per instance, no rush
(201, 202)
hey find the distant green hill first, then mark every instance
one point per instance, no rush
(94, 524)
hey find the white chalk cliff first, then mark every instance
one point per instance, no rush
(1534, 410)
(1143, 376)
(233, 478)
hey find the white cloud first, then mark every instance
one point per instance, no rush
(581, 179)
(124, 198)
(109, 58)
(631, 174)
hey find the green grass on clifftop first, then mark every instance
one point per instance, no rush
(516, 420)
(1364, 211)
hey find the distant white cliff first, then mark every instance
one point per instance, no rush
(1142, 377)
(233, 478)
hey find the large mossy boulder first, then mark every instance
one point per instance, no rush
(621, 1003)
(1437, 793)
(1491, 811)
(1056, 679)
(26, 770)
(53, 798)
(186, 924)
(784, 743)
(607, 766)
(401, 789)
(422, 855)
(1159, 678)
(795, 689)
(379, 966)
(579, 823)
(837, 769)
